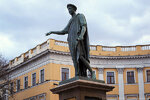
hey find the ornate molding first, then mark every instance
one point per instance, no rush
(120, 70)
(100, 70)
(140, 69)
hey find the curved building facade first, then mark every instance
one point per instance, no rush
(38, 70)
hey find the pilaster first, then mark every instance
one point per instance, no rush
(141, 83)
(100, 73)
(121, 83)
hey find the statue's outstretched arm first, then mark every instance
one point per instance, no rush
(56, 32)
(63, 32)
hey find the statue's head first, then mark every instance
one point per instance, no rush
(71, 8)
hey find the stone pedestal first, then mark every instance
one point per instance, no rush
(80, 88)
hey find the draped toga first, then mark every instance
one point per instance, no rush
(81, 47)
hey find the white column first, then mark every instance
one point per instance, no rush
(141, 84)
(121, 83)
(100, 73)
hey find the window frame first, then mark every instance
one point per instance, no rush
(17, 90)
(114, 77)
(40, 75)
(146, 75)
(127, 76)
(25, 83)
(32, 79)
(61, 72)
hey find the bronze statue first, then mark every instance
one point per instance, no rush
(78, 41)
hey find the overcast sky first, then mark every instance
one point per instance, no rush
(23, 23)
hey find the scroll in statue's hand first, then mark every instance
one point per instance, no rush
(80, 38)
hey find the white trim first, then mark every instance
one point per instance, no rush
(132, 95)
(121, 83)
(32, 77)
(127, 77)
(114, 76)
(61, 72)
(141, 84)
(30, 67)
(100, 73)
(146, 75)
(40, 75)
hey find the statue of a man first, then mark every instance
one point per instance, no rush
(78, 41)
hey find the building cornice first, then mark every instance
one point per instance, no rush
(29, 60)
(121, 57)
(105, 57)
(68, 54)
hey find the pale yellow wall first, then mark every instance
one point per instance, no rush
(116, 89)
(109, 70)
(125, 74)
(42, 88)
(144, 73)
(55, 71)
(131, 97)
(52, 72)
(33, 90)
(99, 50)
(131, 89)
(146, 85)
(147, 88)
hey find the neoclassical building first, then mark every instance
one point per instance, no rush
(36, 71)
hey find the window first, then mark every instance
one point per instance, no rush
(148, 75)
(33, 79)
(130, 77)
(42, 75)
(26, 82)
(110, 78)
(65, 73)
(18, 85)
(11, 87)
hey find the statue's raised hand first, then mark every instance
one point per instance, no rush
(49, 33)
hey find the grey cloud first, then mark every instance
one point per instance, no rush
(110, 22)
